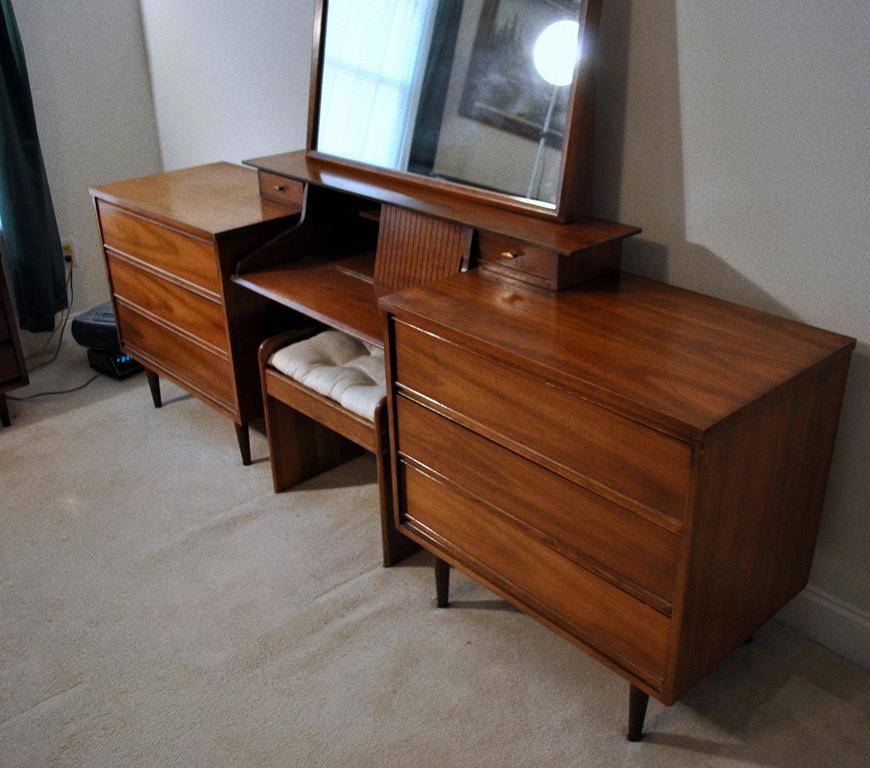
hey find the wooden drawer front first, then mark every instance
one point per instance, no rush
(599, 614)
(516, 255)
(281, 190)
(545, 422)
(204, 371)
(627, 547)
(186, 257)
(8, 363)
(184, 309)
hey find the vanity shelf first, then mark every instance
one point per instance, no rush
(337, 292)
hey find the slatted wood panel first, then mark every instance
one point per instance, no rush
(414, 249)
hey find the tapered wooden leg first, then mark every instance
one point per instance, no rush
(154, 384)
(442, 583)
(4, 412)
(637, 702)
(244, 438)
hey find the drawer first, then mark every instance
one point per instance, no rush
(594, 611)
(186, 257)
(546, 423)
(8, 362)
(281, 190)
(626, 546)
(184, 309)
(205, 372)
(537, 263)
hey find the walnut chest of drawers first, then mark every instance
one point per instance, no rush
(639, 467)
(171, 243)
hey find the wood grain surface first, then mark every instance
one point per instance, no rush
(205, 201)
(677, 360)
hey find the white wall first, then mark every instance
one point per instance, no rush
(230, 79)
(736, 134)
(91, 94)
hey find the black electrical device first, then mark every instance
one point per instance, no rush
(118, 365)
(97, 331)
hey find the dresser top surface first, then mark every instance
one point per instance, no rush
(206, 200)
(678, 360)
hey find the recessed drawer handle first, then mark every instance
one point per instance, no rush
(511, 254)
(279, 187)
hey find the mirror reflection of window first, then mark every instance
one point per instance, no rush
(469, 91)
(374, 59)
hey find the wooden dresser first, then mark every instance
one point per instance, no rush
(13, 371)
(639, 467)
(171, 242)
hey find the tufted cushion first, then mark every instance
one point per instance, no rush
(339, 367)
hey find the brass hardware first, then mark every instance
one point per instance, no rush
(510, 254)
(279, 187)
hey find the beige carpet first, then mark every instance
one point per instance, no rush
(161, 607)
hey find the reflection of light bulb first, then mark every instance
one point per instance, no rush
(556, 51)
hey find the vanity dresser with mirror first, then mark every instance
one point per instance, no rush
(638, 467)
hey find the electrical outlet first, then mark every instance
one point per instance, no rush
(69, 252)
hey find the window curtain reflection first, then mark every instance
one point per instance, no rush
(34, 261)
(374, 60)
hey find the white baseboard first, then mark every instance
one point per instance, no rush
(834, 623)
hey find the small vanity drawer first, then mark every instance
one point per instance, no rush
(535, 262)
(191, 363)
(544, 422)
(8, 362)
(281, 190)
(186, 257)
(624, 545)
(597, 613)
(184, 309)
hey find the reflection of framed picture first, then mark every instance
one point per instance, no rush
(503, 89)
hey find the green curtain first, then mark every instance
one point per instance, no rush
(34, 259)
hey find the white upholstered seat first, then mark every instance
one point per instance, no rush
(339, 367)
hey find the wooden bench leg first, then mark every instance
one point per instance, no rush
(396, 546)
(299, 447)
(637, 703)
(243, 436)
(442, 583)
(154, 385)
(4, 412)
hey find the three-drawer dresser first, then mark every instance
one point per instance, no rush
(171, 243)
(639, 467)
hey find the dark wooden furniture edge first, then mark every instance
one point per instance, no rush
(23, 378)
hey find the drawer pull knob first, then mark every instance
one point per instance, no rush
(279, 187)
(510, 254)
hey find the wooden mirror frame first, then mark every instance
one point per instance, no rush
(575, 172)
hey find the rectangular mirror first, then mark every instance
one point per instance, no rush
(487, 98)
